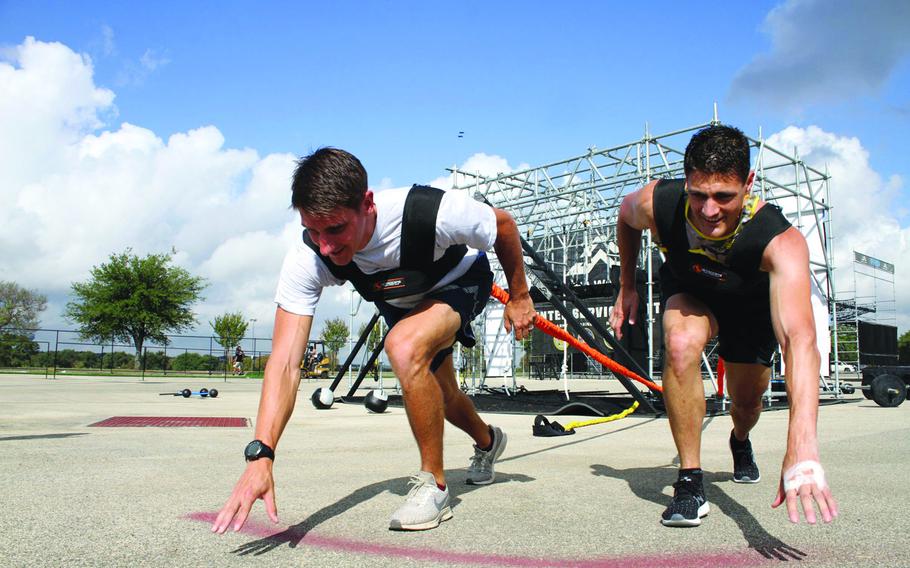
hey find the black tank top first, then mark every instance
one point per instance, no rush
(741, 274)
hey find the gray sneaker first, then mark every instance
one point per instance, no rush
(481, 471)
(426, 506)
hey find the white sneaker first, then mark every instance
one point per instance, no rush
(481, 471)
(426, 506)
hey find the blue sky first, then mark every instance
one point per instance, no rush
(394, 82)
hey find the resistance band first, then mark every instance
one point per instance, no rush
(611, 418)
(553, 330)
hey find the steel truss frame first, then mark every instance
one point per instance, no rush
(567, 209)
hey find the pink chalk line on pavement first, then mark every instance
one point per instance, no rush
(339, 544)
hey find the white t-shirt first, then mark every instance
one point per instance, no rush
(461, 221)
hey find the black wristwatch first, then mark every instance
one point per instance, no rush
(256, 450)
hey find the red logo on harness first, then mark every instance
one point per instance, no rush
(390, 284)
(699, 269)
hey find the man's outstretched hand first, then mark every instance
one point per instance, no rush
(255, 483)
(803, 484)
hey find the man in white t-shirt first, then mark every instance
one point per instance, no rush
(420, 255)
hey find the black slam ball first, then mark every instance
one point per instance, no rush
(323, 398)
(377, 401)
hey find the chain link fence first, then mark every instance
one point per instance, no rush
(55, 353)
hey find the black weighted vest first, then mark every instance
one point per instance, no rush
(418, 272)
(742, 274)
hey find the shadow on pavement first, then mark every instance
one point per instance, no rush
(43, 436)
(573, 441)
(397, 486)
(649, 482)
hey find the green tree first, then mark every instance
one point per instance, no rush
(17, 350)
(903, 347)
(135, 299)
(155, 360)
(119, 360)
(375, 334)
(19, 307)
(188, 361)
(334, 334)
(229, 329)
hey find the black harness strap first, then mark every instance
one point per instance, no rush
(418, 228)
(767, 223)
(670, 212)
(418, 272)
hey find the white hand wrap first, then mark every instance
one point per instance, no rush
(808, 471)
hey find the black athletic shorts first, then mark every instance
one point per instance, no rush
(467, 295)
(746, 334)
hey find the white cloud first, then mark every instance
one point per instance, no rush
(384, 183)
(78, 190)
(481, 164)
(151, 60)
(108, 47)
(826, 51)
(866, 210)
(135, 72)
(75, 191)
(48, 102)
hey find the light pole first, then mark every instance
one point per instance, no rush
(253, 333)
(351, 341)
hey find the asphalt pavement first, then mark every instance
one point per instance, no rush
(78, 495)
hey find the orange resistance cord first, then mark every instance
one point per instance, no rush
(553, 330)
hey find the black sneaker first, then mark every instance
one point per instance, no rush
(745, 470)
(688, 505)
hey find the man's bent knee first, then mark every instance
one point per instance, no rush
(400, 349)
(683, 350)
(407, 356)
(748, 407)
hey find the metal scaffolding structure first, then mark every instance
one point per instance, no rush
(872, 300)
(568, 209)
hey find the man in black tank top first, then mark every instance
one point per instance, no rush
(734, 269)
